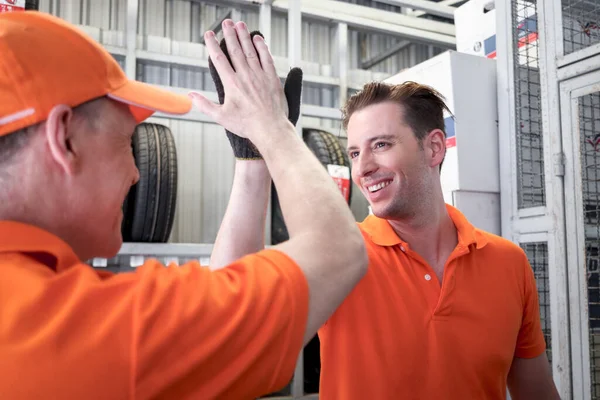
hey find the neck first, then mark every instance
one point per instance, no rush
(430, 233)
(25, 205)
(424, 225)
(54, 226)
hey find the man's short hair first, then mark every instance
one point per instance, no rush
(11, 144)
(423, 106)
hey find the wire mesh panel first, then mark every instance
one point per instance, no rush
(589, 126)
(530, 158)
(537, 253)
(581, 24)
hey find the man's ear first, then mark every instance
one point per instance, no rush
(437, 147)
(58, 134)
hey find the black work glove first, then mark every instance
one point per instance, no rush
(243, 148)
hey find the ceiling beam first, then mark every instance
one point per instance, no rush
(338, 7)
(364, 19)
(449, 3)
(373, 26)
(393, 49)
(429, 7)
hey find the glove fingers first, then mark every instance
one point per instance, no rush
(243, 148)
(217, 81)
(293, 93)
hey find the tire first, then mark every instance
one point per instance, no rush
(149, 208)
(337, 154)
(328, 150)
(32, 4)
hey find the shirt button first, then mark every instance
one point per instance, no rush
(427, 277)
(402, 248)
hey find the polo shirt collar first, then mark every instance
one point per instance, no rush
(18, 237)
(382, 233)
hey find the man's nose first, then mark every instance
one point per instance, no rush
(365, 165)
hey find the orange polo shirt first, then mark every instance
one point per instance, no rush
(70, 332)
(399, 335)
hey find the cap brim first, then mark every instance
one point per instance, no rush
(144, 100)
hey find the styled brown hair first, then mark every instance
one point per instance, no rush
(423, 106)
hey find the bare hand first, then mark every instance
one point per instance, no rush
(254, 95)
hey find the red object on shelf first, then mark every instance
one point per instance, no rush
(12, 5)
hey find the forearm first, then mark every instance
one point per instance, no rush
(242, 229)
(308, 196)
(531, 379)
(325, 242)
(324, 239)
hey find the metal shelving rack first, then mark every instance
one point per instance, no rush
(370, 20)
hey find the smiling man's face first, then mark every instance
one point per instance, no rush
(388, 162)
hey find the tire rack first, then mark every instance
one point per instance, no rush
(132, 255)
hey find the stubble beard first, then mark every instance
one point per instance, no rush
(407, 204)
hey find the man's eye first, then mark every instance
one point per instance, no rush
(380, 144)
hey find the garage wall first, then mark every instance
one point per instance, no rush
(205, 159)
(193, 18)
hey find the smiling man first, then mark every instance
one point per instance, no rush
(446, 310)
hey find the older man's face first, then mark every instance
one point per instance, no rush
(107, 172)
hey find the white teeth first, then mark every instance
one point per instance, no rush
(381, 185)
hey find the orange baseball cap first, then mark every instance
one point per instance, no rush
(45, 61)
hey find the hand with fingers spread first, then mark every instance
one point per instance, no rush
(255, 97)
(325, 241)
(243, 148)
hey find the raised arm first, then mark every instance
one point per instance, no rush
(242, 229)
(324, 239)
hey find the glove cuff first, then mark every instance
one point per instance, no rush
(243, 149)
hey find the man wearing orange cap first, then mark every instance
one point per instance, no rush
(67, 113)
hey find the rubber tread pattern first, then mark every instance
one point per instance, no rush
(149, 208)
(168, 189)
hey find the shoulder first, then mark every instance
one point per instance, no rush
(498, 245)
(266, 267)
(503, 255)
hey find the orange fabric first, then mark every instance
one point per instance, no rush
(45, 61)
(68, 331)
(394, 337)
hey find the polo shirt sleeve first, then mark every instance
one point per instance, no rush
(530, 341)
(231, 333)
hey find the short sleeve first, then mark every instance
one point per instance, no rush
(231, 333)
(530, 341)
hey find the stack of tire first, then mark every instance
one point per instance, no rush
(149, 208)
(328, 149)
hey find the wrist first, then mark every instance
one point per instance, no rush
(264, 135)
(253, 172)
